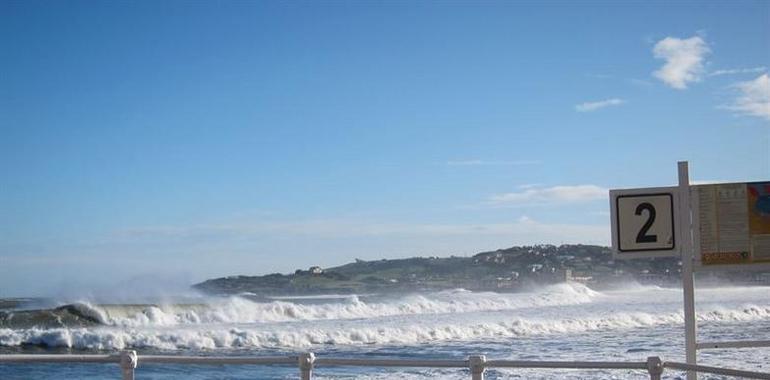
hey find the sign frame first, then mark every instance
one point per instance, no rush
(675, 251)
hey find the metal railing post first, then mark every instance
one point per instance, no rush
(477, 365)
(654, 367)
(128, 362)
(306, 361)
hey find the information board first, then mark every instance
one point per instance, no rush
(732, 223)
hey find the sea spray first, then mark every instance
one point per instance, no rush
(294, 336)
(457, 315)
(243, 310)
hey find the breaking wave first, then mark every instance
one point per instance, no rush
(294, 336)
(447, 316)
(243, 310)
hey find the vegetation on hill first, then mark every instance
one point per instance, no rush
(504, 269)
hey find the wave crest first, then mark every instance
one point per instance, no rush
(242, 310)
(295, 337)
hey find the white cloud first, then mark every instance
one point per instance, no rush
(476, 162)
(593, 106)
(684, 60)
(754, 99)
(549, 195)
(753, 70)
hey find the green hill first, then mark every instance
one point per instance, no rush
(504, 269)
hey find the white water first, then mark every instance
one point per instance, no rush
(241, 310)
(442, 317)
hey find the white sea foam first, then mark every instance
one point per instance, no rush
(242, 310)
(448, 316)
(409, 332)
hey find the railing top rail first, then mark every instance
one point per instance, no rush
(218, 359)
(392, 362)
(371, 362)
(66, 358)
(717, 370)
(565, 364)
(332, 361)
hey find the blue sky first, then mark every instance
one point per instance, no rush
(195, 139)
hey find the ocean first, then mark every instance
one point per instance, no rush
(567, 321)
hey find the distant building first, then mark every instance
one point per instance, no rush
(535, 267)
(316, 270)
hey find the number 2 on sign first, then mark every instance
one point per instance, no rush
(642, 236)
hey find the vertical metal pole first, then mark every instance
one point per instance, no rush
(654, 367)
(688, 286)
(128, 362)
(477, 365)
(306, 361)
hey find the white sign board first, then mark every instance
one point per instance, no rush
(644, 222)
(732, 223)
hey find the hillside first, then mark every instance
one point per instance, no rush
(504, 269)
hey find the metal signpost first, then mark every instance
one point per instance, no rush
(720, 226)
(688, 280)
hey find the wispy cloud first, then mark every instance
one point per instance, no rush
(683, 60)
(549, 195)
(524, 227)
(593, 106)
(640, 82)
(752, 70)
(476, 162)
(754, 98)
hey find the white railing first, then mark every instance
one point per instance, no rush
(477, 364)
